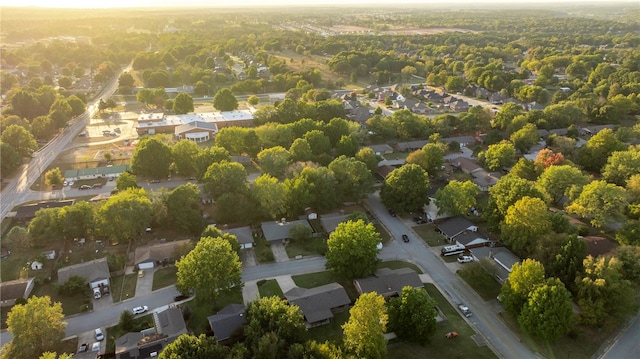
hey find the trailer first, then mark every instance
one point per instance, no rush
(452, 250)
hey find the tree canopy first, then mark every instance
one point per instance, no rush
(363, 334)
(412, 315)
(225, 101)
(151, 158)
(457, 197)
(406, 189)
(352, 249)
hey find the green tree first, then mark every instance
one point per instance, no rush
(525, 222)
(53, 177)
(363, 334)
(347, 146)
(319, 142)
(506, 114)
(19, 139)
(125, 215)
(271, 194)
(507, 191)
(323, 188)
(563, 181)
(568, 263)
(300, 150)
(77, 220)
(210, 269)
(208, 156)
(126, 180)
(548, 312)
(183, 209)
(54, 355)
(151, 158)
(353, 178)
(525, 169)
(126, 80)
(253, 100)
(430, 158)
(232, 139)
(406, 189)
(276, 316)
(601, 202)
(188, 346)
(412, 315)
(629, 257)
(369, 158)
(274, 160)
(225, 177)
(46, 225)
(593, 156)
(18, 237)
(42, 128)
(457, 197)
(523, 279)
(10, 159)
(183, 103)
(225, 101)
(498, 156)
(604, 296)
(525, 138)
(184, 155)
(352, 249)
(37, 327)
(621, 165)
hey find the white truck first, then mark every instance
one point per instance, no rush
(97, 294)
(464, 310)
(452, 250)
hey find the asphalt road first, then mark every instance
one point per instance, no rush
(626, 345)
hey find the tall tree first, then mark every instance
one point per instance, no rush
(595, 153)
(276, 316)
(10, 159)
(548, 312)
(225, 101)
(498, 156)
(568, 263)
(53, 177)
(504, 194)
(210, 269)
(601, 202)
(225, 177)
(560, 182)
(19, 139)
(46, 224)
(126, 180)
(151, 158)
(352, 249)
(271, 194)
(274, 160)
(77, 220)
(37, 326)
(525, 138)
(354, 180)
(523, 279)
(322, 188)
(208, 156)
(621, 165)
(525, 222)
(184, 157)
(183, 103)
(457, 197)
(125, 215)
(300, 150)
(188, 346)
(183, 209)
(406, 189)
(430, 158)
(369, 158)
(363, 334)
(412, 315)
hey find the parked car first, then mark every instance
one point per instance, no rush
(140, 309)
(450, 335)
(405, 238)
(464, 310)
(105, 290)
(392, 213)
(465, 259)
(85, 186)
(140, 273)
(99, 334)
(419, 220)
(71, 183)
(96, 185)
(83, 348)
(95, 347)
(117, 130)
(65, 184)
(154, 181)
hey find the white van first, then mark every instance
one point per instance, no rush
(96, 293)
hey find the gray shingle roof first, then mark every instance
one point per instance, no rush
(227, 321)
(275, 231)
(316, 303)
(91, 271)
(454, 226)
(389, 282)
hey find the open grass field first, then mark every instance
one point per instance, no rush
(121, 291)
(481, 281)
(303, 62)
(310, 247)
(269, 288)
(164, 277)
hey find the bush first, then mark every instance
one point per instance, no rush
(75, 285)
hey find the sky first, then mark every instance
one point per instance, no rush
(208, 3)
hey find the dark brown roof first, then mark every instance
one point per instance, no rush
(28, 212)
(597, 246)
(389, 282)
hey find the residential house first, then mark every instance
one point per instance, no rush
(405, 104)
(464, 141)
(485, 180)
(280, 230)
(97, 172)
(12, 290)
(244, 235)
(169, 325)
(360, 115)
(472, 239)
(319, 304)
(383, 149)
(196, 131)
(592, 130)
(455, 226)
(388, 282)
(28, 212)
(598, 246)
(148, 257)
(228, 321)
(384, 170)
(95, 272)
(421, 108)
(330, 221)
(458, 106)
(467, 165)
(502, 258)
(411, 145)
(559, 131)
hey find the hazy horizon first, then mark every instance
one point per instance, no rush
(83, 4)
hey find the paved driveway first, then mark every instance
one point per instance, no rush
(248, 257)
(145, 284)
(279, 253)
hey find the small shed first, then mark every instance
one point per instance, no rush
(35, 265)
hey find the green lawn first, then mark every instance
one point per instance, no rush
(70, 304)
(398, 265)
(310, 247)
(263, 251)
(384, 235)
(313, 280)
(164, 277)
(120, 292)
(481, 281)
(429, 235)
(269, 288)
(332, 331)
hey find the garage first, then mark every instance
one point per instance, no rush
(146, 265)
(99, 282)
(246, 245)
